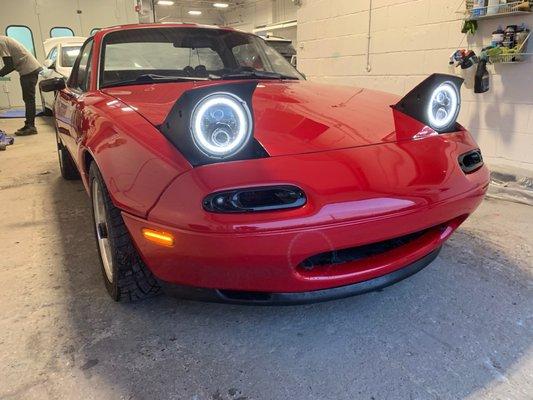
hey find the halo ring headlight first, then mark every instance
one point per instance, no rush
(444, 106)
(221, 125)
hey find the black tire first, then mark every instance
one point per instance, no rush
(132, 280)
(46, 111)
(68, 168)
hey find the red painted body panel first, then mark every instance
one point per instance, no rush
(365, 177)
(340, 185)
(291, 117)
(355, 197)
(136, 161)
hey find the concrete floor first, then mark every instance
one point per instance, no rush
(460, 329)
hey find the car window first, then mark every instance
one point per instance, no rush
(279, 63)
(52, 55)
(157, 56)
(247, 55)
(81, 72)
(69, 55)
(201, 53)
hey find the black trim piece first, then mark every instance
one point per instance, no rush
(415, 102)
(74, 72)
(266, 298)
(471, 161)
(176, 126)
(255, 199)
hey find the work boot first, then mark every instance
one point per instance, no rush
(2, 147)
(26, 131)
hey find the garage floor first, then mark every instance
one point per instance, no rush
(462, 328)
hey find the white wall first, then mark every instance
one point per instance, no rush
(42, 15)
(258, 13)
(179, 13)
(409, 40)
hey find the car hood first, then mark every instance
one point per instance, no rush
(291, 117)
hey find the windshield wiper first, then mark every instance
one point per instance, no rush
(253, 75)
(151, 78)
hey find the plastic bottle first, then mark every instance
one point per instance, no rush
(482, 80)
(509, 39)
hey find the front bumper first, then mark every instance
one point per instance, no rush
(265, 298)
(356, 197)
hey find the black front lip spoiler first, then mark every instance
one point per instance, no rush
(266, 298)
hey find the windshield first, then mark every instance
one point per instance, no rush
(283, 48)
(69, 55)
(131, 55)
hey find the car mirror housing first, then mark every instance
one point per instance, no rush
(52, 85)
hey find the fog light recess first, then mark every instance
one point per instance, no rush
(471, 161)
(256, 199)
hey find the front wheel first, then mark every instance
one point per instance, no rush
(125, 275)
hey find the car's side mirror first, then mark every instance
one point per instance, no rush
(51, 64)
(52, 85)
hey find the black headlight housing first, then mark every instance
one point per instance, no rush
(435, 102)
(232, 115)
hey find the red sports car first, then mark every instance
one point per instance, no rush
(218, 172)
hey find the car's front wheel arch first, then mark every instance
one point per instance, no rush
(125, 275)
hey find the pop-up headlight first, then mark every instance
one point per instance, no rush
(435, 102)
(214, 123)
(443, 106)
(221, 125)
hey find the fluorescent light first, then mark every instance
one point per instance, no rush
(221, 5)
(165, 3)
(195, 12)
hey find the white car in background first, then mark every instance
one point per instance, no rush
(61, 53)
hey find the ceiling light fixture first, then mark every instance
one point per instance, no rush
(165, 3)
(221, 5)
(195, 12)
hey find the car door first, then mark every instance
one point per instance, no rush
(70, 101)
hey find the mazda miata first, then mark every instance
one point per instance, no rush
(217, 171)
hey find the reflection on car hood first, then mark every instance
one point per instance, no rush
(289, 117)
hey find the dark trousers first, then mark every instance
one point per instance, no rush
(28, 83)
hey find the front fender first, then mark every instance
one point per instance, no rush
(136, 161)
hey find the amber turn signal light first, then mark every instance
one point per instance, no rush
(158, 237)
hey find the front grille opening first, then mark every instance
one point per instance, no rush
(358, 253)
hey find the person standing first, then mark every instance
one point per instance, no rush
(17, 58)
